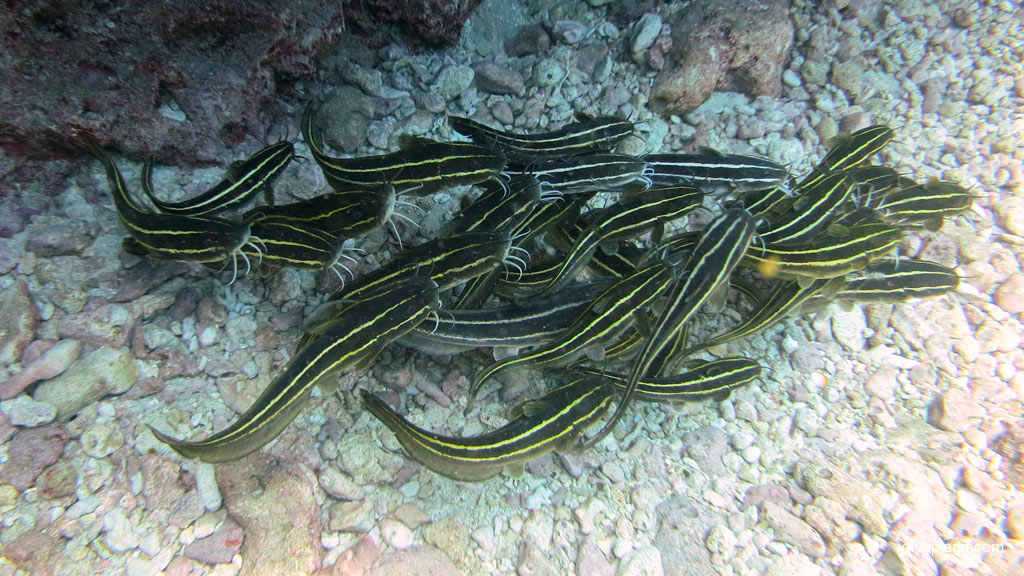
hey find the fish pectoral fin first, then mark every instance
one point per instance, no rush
(804, 282)
(609, 248)
(595, 353)
(504, 352)
(515, 469)
(529, 409)
(571, 442)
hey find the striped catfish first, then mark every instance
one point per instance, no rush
(720, 248)
(585, 136)
(705, 379)
(170, 236)
(711, 170)
(241, 183)
(552, 422)
(351, 340)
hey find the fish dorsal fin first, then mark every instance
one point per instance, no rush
(234, 171)
(414, 142)
(716, 300)
(582, 116)
(709, 151)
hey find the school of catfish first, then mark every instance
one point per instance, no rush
(537, 272)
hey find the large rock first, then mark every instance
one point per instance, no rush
(277, 509)
(719, 44)
(184, 81)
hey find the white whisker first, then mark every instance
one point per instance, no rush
(406, 218)
(338, 274)
(401, 202)
(398, 237)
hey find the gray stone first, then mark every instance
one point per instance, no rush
(644, 561)
(706, 445)
(59, 240)
(533, 39)
(366, 79)
(1010, 214)
(101, 440)
(502, 112)
(850, 327)
(395, 534)
(645, 33)
(451, 81)
(861, 500)
(339, 485)
(1015, 522)
(849, 76)
(19, 321)
(430, 102)
(497, 79)
(26, 412)
(102, 372)
(590, 55)
(351, 516)
(277, 507)
(716, 44)
(569, 31)
(345, 117)
(1010, 294)
(792, 530)
(682, 528)
(492, 23)
(911, 543)
(954, 410)
(548, 72)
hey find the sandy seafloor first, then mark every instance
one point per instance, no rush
(885, 439)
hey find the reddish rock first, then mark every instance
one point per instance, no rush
(103, 325)
(138, 280)
(219, 547)
(435, 22)
(167, 500)
(724, 45)
(357, 559)
(34, 552)
(51, 363)
(277, 508)
(19, 320)
(29, 452)
(1010, 445)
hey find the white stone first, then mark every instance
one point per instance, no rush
(119, 535)
(395, 534)
(206, 482)
(791, 78)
